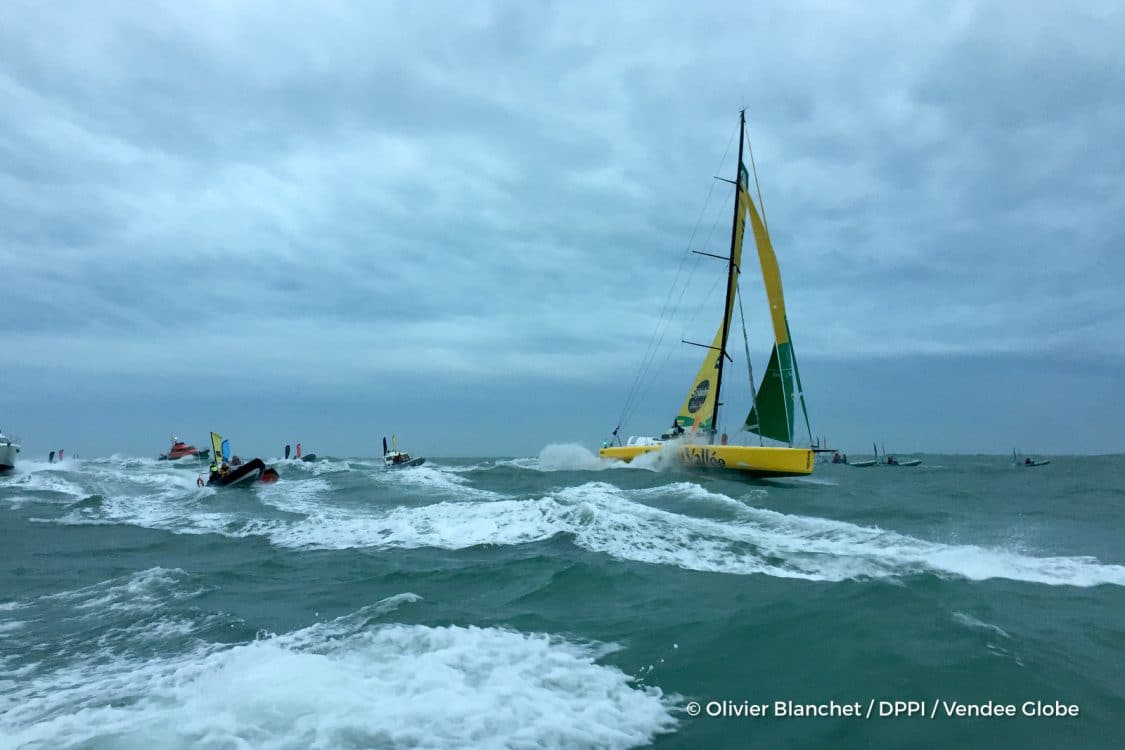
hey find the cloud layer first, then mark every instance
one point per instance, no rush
(334, 194)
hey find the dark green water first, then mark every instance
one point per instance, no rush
(542, 602)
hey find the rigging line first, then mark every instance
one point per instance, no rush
(663, 321)
(705, 299)
(643, 389)
(714, 225)
(671, 290)
(647, 387)
(665, 311)
(797, 375)
(761, 203)
(651, 353)
(749, 364)
(664, 365)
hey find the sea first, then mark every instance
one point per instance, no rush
(556, 601)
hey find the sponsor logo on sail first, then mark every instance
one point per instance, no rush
(698, 396)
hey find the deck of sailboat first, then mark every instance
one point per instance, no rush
(751, 460)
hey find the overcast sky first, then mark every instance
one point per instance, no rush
(460, 221)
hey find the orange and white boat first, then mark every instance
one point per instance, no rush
(180, 449)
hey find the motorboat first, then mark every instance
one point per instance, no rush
(180, 449)
(254, 470)
(9, 448)
(227, 470)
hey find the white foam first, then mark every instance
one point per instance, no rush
(298, 497)
(449, 525)
(139, 592)
(971, 622)
(605, 519)
(42, 478)
(347, 683)
(575, 457)
(437, 483)
(568, 457)
(9, 625)
(601, 517)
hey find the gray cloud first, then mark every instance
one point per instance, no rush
(339, 196)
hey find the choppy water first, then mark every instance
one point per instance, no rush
(552, 602)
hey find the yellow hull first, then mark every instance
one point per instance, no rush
(758, 461)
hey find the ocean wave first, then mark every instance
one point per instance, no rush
(437, 507)
(350, 682)
(603, 518)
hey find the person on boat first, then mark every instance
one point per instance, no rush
(891, 461)
(845, 459)
(236, 461)
(723, 439)
(298, 450)
(836, 457)
(1027, 460)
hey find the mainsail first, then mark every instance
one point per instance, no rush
(700, 406)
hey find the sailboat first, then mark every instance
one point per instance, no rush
(692, 437)
(1028, 460)
(889, 460)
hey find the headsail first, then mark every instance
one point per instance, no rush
(772, 414)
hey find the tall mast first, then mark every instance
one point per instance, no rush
(732, 271)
